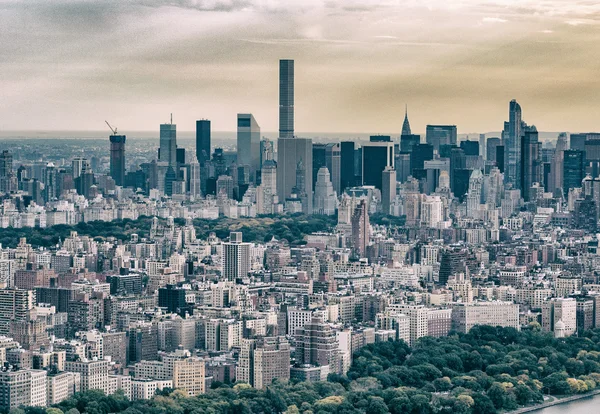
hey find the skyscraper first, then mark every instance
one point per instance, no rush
(490, 151)
(248, 143)
(203, 141)
(168, 144)
(316, 344)
(50, 182)
(286, 98)
(438, 135)
(195, 179)
(513, 132)
(346, 165)
(573, 170)
(292, 152)
(332, 162)
(263, 360)
(236, 258)
(360, 229)
(388, 190)
(482, 146)
(577, 142)
(78, 165)
(377, 155)
(325, 196)
(406, 124)
(530, 161)
(556, 167)
(452, 262)
(117, 158)
(6, 172)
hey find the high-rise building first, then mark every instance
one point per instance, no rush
(189, 375)
(346, 165)
(559, 315)
(174, 300)
(573, 170)
(325, 196)
(168, 144)
(377, 156)
(143, 342)
(286, 98)
(203, 141)
(406, 124)
(248, 144)
(438, 135)
(512, 135)
(292, 152)
(117, 158)
(360, 229)
(577, 142)
(23, 388)
(263, 360)
(79, 165)
(50, 182)
(7, 178)
(194, 179)
(94, 374)
(531, 166)
(318, 160)
(418, 320)
(316, 344)
(236, 258)
(388, 189)
(408, 142)
(420, 154)
(470, 147)
(490, 150)
(333, 164)
(452, 262)
(482, 146)
(15, 305)
(225, 186)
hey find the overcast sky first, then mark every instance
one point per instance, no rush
(70, 64)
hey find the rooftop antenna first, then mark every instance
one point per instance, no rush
(114, 130)
(171, 118)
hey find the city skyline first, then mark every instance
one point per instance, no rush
(453, 63)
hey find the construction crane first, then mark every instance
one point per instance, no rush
(114, 130)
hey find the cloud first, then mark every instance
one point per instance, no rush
(547, 31)
(578, 22)
(493, 20)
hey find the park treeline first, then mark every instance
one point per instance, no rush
(259, 229)
(489, 370)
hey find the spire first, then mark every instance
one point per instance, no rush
(406, 124)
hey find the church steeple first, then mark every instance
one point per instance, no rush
(406, 124)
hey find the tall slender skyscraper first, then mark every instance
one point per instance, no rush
(168, 143)
(530, 161)
(286, 98)
(388, 190)
(203, 141)
(346, 165)
(556, 167)
(117, 159)
(513, 132)
(360, 229)
(406, 124)
(248, 143)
